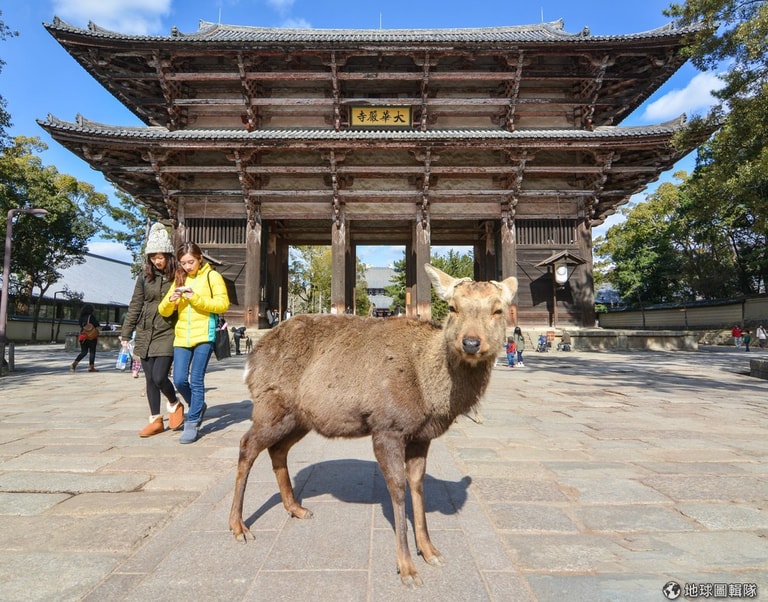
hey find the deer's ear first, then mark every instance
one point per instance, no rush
(508, 288)
(443, 283)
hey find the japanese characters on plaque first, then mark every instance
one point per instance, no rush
(379, 117)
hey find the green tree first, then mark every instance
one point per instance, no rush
(730, 181)
(132, 221)
(643, 262)
(309, 286)
(458, 265)
(5, 117)
(43, 247)
(396, 289)
(362, 302)
(309, 283)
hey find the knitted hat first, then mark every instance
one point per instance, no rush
(158, 241)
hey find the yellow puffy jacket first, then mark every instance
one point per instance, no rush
(198, 314)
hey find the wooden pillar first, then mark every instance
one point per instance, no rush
(350, 267)
(282, 271)
(410, 282)
(509, 262)
(421, 300)
(584, 289)
(485, 254)
(271, 278)
(253, 291)
(340, 249)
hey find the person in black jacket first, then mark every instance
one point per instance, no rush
(153, 341)
(237, 334)
(89, 338)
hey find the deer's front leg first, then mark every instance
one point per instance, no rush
(416, 466)
(389, 449)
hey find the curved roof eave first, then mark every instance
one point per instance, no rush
(160, 134)
(209, 33)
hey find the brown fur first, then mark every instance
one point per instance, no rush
(401, 381)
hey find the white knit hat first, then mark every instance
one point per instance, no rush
(158, 240)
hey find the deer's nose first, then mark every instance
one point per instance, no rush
(470, 345)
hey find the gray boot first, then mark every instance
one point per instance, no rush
(190, 433)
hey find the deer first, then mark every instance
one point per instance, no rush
(401, 381)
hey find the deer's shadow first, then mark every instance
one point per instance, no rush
(361, 482)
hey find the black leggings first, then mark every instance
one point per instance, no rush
(87, 348)
(156, 371)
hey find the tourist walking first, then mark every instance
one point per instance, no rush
(152, 333)
(762, 336)
(746, 339)
(519, 339)
(737, 333)
(88, 338)
(199, 296)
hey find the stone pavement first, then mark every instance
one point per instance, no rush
(593, 476)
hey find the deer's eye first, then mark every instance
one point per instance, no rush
(452, 309)
(498, 312)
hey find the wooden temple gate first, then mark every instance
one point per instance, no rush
(501, 139)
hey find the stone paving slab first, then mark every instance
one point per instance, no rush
(593, 476)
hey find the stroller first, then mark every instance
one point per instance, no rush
(542, 344)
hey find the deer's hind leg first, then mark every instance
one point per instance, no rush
(250, 448)
(271, 427)
(279, 455)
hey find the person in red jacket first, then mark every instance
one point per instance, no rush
(737, 333)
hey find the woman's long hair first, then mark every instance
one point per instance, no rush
(171, 265)
(87, 309)
(187, 248)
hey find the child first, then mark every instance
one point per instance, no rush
(511, 352)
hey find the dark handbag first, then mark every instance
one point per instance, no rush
(221, 345)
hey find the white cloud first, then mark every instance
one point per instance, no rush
(126, 16)
(297, 24)
(696, 97)
(281, 6)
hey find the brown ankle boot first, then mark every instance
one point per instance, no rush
(175, 415)
(73, 366)
(155, 427)
(92, 368)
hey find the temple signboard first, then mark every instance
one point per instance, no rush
(380, 116)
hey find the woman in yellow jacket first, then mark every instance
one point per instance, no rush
(199, 296)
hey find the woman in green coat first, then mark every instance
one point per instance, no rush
(519, 340)
(153, 342)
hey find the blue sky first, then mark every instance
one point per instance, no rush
(41, 78)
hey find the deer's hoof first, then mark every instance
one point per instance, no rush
(436, 560)
(244, 535)
(301, 513)
(412, 581)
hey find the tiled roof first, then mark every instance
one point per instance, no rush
(84, 126)
(219, 33)
(379, 278)
(99, 280)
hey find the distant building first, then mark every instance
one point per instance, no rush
(607, 295)
(105, 283)
(378, 279)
